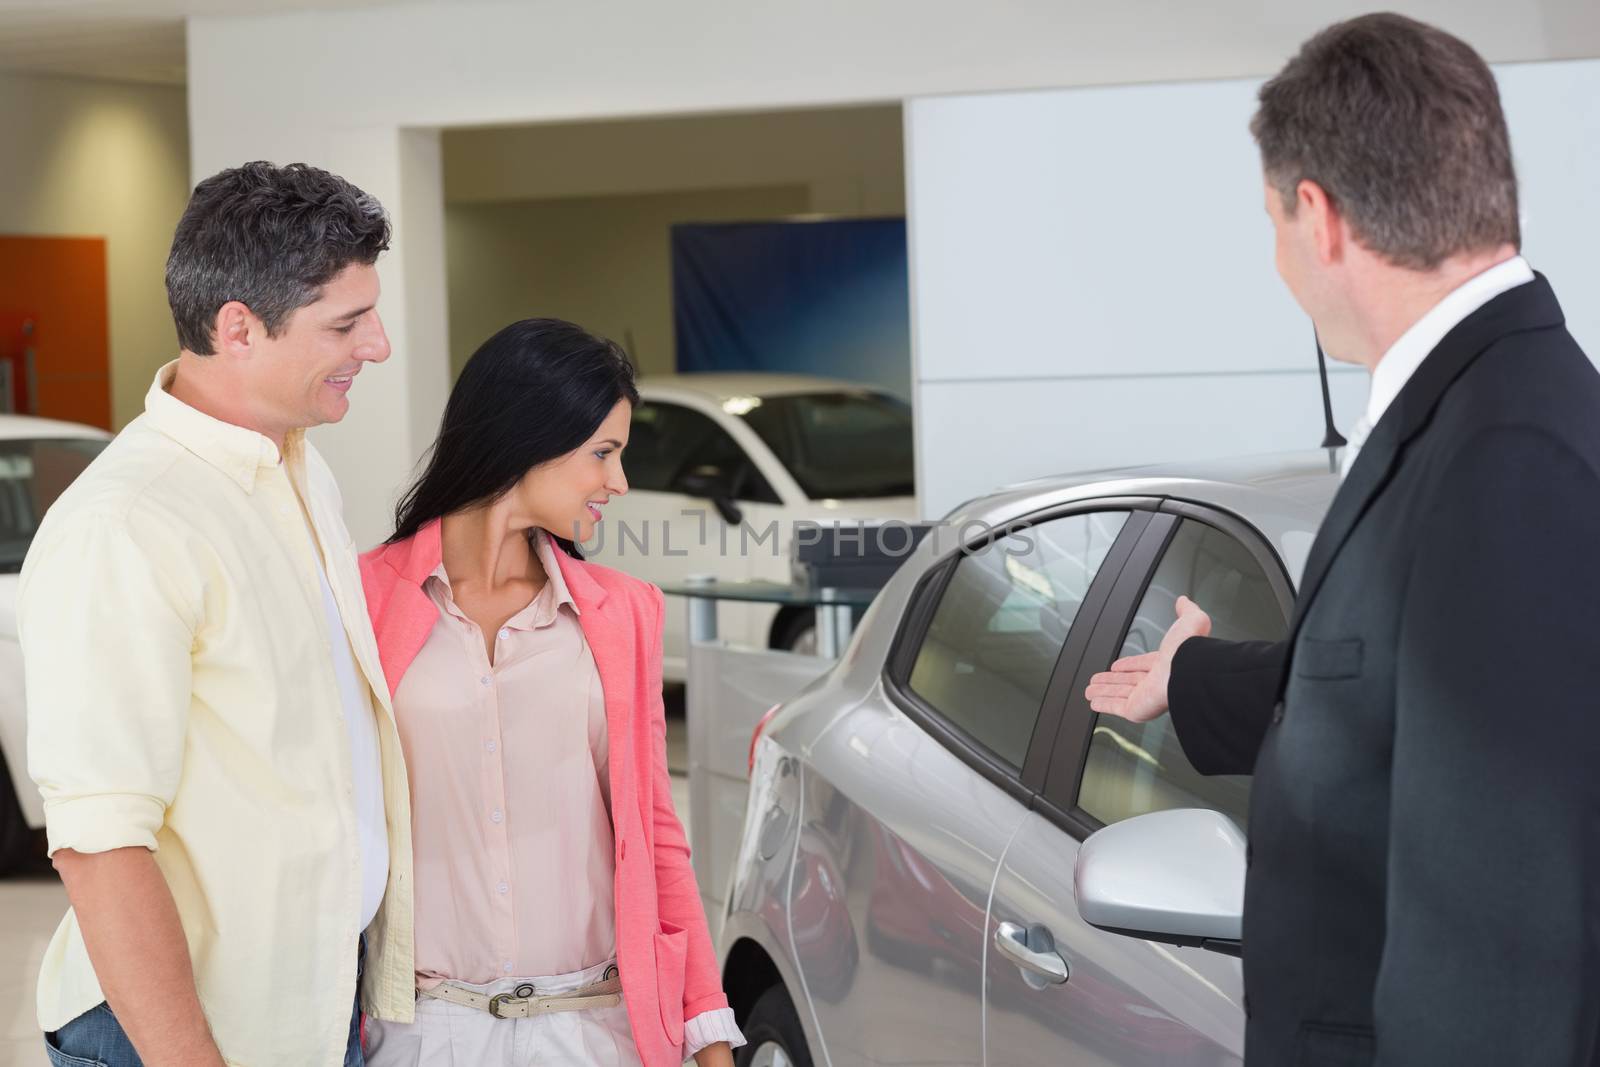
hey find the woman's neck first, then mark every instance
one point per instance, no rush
(484, 547)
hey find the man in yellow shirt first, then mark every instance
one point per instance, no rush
(208, 722)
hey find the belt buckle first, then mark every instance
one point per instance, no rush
(495, 1002)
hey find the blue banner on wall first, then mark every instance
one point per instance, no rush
(827, 298)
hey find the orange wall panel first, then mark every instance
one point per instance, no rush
(60, 284)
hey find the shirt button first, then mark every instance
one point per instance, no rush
(508, 966)
(503, 888)
(495, 816)
(504, 634)
(1277, 712)
(486, 679)
(490, 746)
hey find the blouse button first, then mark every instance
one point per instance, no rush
(504, 634)
(503, 888)
(495, 816)
(490, 746)
(485, 679)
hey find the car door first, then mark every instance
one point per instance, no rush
(908, 800)
(1119, 1000)
(662, 533)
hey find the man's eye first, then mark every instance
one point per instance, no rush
(344, 329)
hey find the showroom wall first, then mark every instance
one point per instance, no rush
(372, 88)
(63, 137)
(574, 219)
(1092, 269)
(602, 262)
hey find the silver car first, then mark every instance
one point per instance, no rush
(903, 887)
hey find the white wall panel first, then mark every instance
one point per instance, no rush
(979, 435)
(1093, 284)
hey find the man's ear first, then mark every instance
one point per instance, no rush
(236, 330)
(1316, 207)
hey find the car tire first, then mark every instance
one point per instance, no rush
(773, 1033)
(797, 633)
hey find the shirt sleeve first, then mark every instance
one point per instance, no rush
(708, 1028)
(106, 642)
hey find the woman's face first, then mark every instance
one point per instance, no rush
(565, 495)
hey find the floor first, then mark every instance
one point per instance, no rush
(32, 905)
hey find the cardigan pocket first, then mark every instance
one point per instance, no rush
(672, 945)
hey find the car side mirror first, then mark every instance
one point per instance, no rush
(710, 482)
(1170, 876)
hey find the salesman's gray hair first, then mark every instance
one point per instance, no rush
(1400, 124)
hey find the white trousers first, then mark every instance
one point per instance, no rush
(451, 1035)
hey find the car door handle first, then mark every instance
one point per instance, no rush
(1012, 941)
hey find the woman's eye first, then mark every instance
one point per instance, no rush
(603, 453)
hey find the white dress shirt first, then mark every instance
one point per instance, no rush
(1403, 358)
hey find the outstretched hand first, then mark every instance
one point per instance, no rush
(1135, 688)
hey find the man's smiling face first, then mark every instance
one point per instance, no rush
(302, 377)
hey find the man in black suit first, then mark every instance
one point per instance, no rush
(1424, 886)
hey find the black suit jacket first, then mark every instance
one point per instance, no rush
(1424, 886)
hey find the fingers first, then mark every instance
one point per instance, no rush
(1111, 685)
(1143, 662)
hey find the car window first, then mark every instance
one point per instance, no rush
(668, 441)
(1000, 624)
(1134, 768)
(838, 445)
(33, 472)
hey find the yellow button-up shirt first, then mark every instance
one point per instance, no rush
(182, 697)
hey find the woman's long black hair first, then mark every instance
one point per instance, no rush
(531, 393)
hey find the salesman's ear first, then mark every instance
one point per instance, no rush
(1316, 207)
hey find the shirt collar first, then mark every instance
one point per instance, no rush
(554, 593)
(1403, 358)
(239, 453)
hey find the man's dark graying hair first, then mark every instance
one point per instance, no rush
(1400, 124)
(269, 237)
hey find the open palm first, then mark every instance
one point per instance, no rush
(1135, 688)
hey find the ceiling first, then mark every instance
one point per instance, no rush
(120, 40)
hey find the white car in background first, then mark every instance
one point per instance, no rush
(722, 466)
(38, 459)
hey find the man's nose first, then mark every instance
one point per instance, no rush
(375, 349)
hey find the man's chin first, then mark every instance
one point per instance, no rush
(332, 409)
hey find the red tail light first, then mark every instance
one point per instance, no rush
(762, 725)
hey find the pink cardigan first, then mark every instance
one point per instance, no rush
(669, 971)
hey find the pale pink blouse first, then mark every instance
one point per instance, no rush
(510, 800)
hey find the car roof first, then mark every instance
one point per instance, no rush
(14, 427)
(718, 387)
(1284, 495)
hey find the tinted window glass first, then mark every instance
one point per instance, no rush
(667, 441)
(32, 474)
(838, 445)
(1135, 768)
(1000, 625)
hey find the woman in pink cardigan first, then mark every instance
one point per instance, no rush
(557, 918)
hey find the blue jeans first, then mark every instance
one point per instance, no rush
(96, 1039)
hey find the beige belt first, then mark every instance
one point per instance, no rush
(523, 1003)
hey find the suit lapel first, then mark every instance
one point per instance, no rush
(1527, 307)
